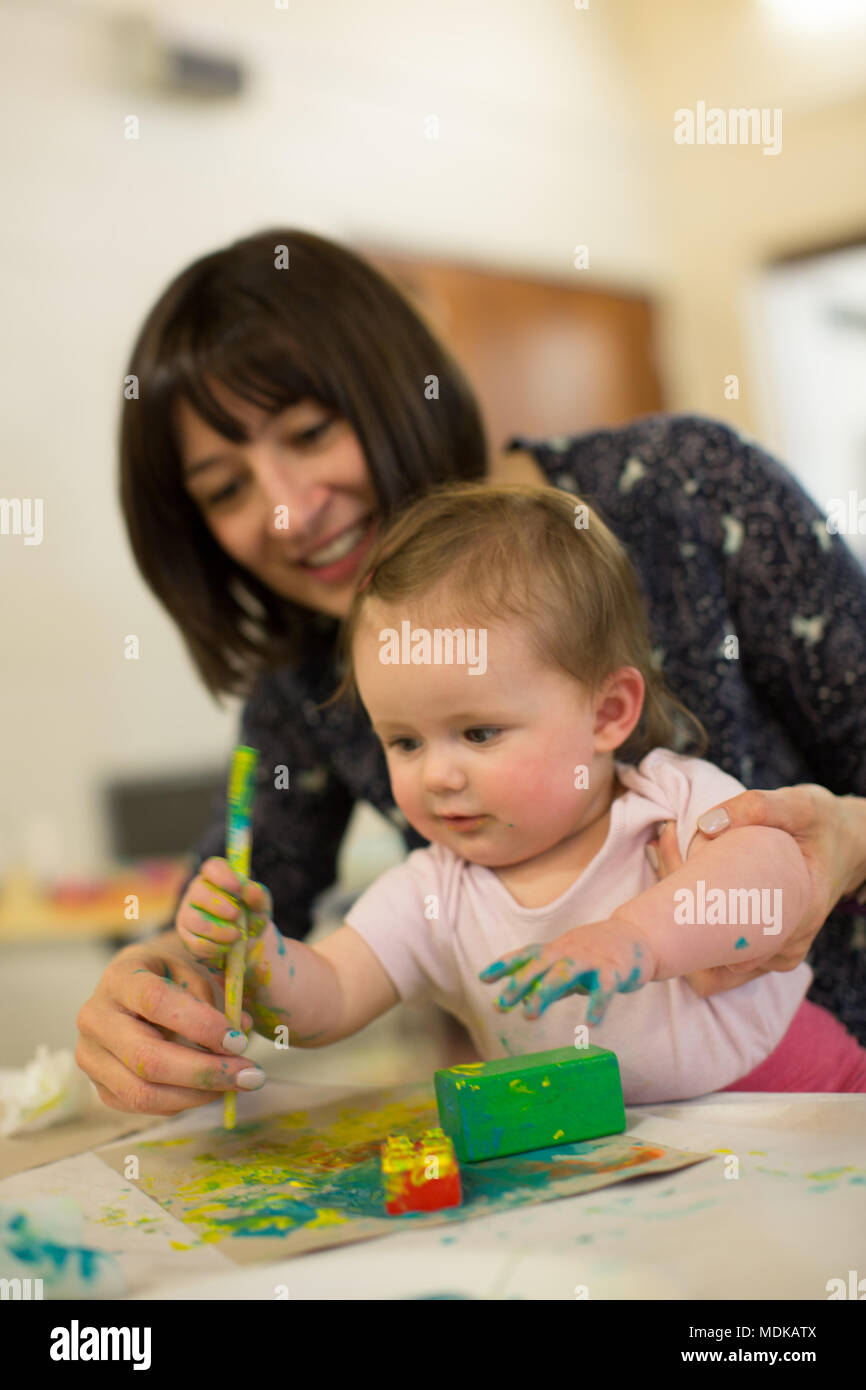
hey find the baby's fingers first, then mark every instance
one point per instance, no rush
(206, 936)
(255, 924)
(522, 984)
(218, 898)
(258, 900)
(568, 978)
(565, 977)
(508, 964)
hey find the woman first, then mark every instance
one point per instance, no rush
(285, 408)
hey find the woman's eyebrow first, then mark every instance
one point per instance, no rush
(229, 458)
(206, 463)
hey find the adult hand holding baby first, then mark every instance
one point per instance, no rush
(605, 958)
(831, 836)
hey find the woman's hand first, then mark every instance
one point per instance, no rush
(599, 958)
(148, 994)
(153, 992)
(831, 834)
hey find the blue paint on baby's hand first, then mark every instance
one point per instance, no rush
(492, 972)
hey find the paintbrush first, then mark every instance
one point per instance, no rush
(239, 843)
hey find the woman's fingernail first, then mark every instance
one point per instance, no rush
(652, 855)
(234, 1041)
(250, 1079)
(712, 821)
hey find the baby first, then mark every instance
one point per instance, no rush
(499, 645)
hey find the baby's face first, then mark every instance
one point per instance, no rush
(487, 763)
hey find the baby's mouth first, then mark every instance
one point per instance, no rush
(464, 823)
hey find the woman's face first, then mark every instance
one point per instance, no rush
(296, 506)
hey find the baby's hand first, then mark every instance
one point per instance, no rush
(210, 918)
(600, 959)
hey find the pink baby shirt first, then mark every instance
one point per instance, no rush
(436, 920)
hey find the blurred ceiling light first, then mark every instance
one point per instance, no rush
(828, 15)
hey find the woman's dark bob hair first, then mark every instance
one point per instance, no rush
(326, 325)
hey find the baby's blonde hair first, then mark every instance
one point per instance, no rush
(484, 553)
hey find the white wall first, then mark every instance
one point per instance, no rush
(540, 148)
(731, 210)
(813, 377)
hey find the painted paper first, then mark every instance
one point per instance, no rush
(311, 1178)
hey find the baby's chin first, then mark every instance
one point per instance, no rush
(473, 849)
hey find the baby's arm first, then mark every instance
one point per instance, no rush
(319, 993)
(655, 937)
(759, 876)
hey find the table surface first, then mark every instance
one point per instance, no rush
(29, 913)
(793, 1218)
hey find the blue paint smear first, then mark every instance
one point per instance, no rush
(738, 945)
(357, 1191)
(25, 1243)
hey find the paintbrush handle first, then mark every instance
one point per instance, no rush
(239, 836)
(234, 1006)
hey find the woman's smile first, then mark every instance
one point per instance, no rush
(336, 561)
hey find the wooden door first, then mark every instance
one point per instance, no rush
(545, 357)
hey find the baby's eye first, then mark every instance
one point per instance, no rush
(401, 744)
(484, 729)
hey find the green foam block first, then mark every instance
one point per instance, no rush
(537, 1101)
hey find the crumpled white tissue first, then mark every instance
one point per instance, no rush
(48, 1090)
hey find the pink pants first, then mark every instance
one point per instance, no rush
(816, 1054)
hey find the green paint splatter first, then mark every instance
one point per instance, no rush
(275, 1176)
(267, 1020)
